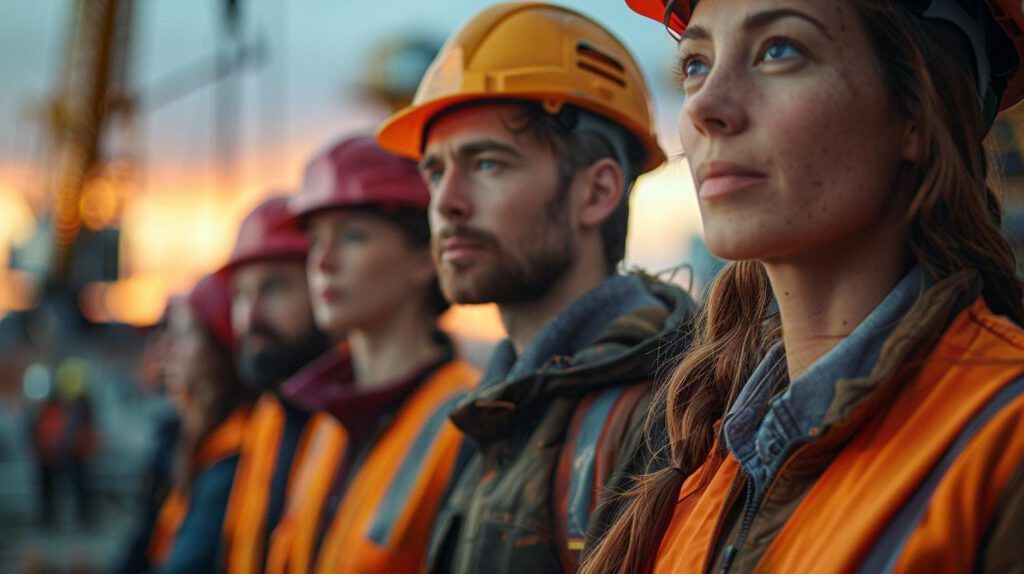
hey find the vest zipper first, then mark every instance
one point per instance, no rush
(750, 510)
(730, 500)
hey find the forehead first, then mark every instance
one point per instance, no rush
(714, 15)
(252, 275)
(333, 218)
(465, 125)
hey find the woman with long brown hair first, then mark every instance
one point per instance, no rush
(214, 407)
(855, 395)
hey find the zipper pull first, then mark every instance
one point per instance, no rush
(727, 558)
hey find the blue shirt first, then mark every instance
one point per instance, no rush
(762, 431)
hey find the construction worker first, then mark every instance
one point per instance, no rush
(863, 353)
(156, 477)
(276, 337)
(214, 407)
(530, 129)
(372, 281)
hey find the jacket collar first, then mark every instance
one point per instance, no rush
(648, 316)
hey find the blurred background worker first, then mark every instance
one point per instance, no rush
(156, 478)
(372, 281)
(65, 441)
(530, 151)
(275, 337)
(214, 406)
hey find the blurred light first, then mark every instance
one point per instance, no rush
(137, 300)
(36, 383)
(70, 377)
(16, 222)
(18, 290)
(474, 321)
(663, 217)
(99, 204)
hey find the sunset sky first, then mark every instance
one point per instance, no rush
(179, 221)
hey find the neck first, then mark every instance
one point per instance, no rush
(384, 352)
(822, 298)
(524, 319)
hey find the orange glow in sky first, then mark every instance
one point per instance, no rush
(178, 227)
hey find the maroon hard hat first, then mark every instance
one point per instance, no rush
(210, 301)
(269, 232)
(357, 172)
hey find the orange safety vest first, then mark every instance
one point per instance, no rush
(294, 539)
(913, 491)
(223, 442)
(245, 521)
(384, 521)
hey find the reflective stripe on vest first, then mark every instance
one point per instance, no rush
(887, 551)
(323, 448)
(387, 511)
(400, 489)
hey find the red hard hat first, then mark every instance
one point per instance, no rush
(210, 301)
(1006, 74)
(358, 172)
(269, 232)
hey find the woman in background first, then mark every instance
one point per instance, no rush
(214, 406)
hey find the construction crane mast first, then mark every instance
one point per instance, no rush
(92, 92)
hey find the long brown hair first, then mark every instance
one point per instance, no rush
(954, 221)
(227, 393)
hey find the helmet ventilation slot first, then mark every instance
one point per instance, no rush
(600, 63)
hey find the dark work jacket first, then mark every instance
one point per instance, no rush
(196, 546)
(501, 515)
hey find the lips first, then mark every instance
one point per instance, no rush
(458, 249)
(717, 179)
(329, 294)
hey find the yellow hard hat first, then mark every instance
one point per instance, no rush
(530, 51)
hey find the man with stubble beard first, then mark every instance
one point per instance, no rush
(530, 128)
(273, 323)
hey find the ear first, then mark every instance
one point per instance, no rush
(912, 150)
(603, 186)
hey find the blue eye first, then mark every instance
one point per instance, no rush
(695, 67)
(434, 177)
(780, 50)
(486, 164)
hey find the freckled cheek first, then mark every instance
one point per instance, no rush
(807, 151)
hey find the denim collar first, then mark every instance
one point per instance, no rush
(762, 431)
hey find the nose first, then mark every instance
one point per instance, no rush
(243, 311)
(716, 108)
(322, 258)
(449, 197)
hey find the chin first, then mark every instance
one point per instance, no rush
(732, 250)
(331, 323)
(459, 287)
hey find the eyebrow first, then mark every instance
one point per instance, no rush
(762, 19)
(758, 20)
(470, 149)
